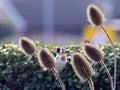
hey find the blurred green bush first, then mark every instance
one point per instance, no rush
(21, 72)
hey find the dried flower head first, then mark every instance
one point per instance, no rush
(93, 52)
(82, 67)
(46, 58)
(4, 44)
(27, 45)
(95, 15)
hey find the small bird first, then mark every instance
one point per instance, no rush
(60, 59)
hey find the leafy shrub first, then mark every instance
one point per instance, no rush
(21, 72)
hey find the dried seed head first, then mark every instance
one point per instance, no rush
(46, 58)
(4, 44)
(82, 67)
(27, 45)
(94, 53)
(95, 15)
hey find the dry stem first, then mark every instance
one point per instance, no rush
(115, 58)
(91, 84)
(109, 76)
(58, 77)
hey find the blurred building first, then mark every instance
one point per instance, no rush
(61, 17)
(10, 15)
(47, 20)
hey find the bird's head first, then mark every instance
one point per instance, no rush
(60, 50)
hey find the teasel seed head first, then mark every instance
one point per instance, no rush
(46, 58)
(95, 15)
(27, 45)
(94, 53)
(82, 67)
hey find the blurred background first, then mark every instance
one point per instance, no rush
(56, 21)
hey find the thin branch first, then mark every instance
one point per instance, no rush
(91, 84)
(58, 77)
(109, 76)
(115, 57)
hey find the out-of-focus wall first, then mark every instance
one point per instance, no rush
(62, 18)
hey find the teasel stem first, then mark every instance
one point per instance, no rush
(115, 58)
(107, 35)
(58, 77)
(35, 54)
(91, 84)
(108, 74)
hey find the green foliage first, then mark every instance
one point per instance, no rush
(21, 72)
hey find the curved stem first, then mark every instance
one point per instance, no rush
(107, 35)
(109, 76)
(35, 54)
(58, 77)
(115, 58)
(91, 84)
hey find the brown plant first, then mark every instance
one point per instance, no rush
(96, 17)
(97, 55)
(83, 69)
(27, 45)
(93, 52)
(46, 59)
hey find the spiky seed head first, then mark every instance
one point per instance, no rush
(95, 15)
(46, 58)
(4, 44)
(27, 45)
(82, 67)
(93, 52)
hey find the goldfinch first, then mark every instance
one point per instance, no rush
(60, 59)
